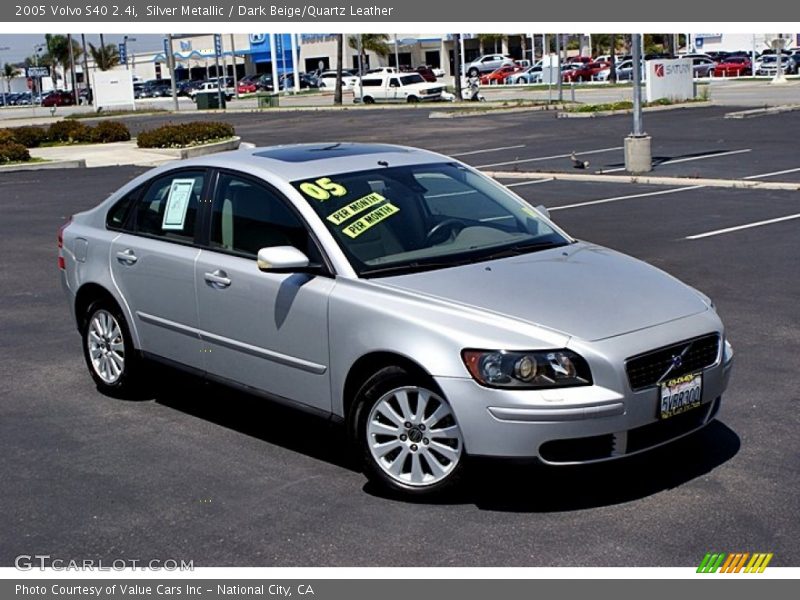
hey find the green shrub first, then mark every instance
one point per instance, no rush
(13, 152)
(110, 131)
(69, 131)
(29, 136)
(184, 134)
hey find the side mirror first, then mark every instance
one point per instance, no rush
(281, 258)
(543, 209)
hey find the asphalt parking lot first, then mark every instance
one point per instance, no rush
(199, 472)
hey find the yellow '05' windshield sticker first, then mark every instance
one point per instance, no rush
(356, 228)
(355, 207)
(322, 189)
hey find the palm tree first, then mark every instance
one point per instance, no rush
(489, 38)
(337, 94)
(104, 57)
(9, 72)
(373, 42)
(58, 52)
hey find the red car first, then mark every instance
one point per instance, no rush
(59, 98)
(499, 75)
(427, 73)
(734, 66)
(587, 72)
(246, 87)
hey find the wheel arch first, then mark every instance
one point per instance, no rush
(367, 365)
(91, 292)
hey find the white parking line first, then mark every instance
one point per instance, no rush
(539, 158)
(740, 227)
(488, 150)
(535, 181)
(761, 175)
(688, 159)
(632, 196)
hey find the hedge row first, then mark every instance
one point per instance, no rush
(11, 151)
(68, 131)
(184, 134)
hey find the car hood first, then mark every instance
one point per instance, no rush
(581, 290)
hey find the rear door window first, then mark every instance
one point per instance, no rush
(170, 206)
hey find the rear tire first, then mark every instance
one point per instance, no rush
(407, 435)
(113, 362)
(368, 100)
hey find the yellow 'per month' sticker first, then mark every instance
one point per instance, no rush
(356, 228)
(352, 209)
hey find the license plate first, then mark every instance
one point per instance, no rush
(680, 394)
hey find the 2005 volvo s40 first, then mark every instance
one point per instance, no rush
(401, 292)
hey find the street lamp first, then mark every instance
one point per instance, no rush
(125, 40)
(4, 49)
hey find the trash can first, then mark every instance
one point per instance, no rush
(268, 100)
(210, 100)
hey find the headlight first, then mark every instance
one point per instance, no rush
(536, 369)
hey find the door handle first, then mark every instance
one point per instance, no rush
(218, 278)
(127, 256)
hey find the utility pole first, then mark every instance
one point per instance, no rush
(612, 53)
(235, 74)
(457, 65)
(559, 46)
(638, 156)
(89, 91)
(171, 65)
(295, 66)
(273, 53)
(72, 69)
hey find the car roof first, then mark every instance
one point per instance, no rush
(301, 161)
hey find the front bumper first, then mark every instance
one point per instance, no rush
(576, 425)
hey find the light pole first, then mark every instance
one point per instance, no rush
(125, 40)
(638, 157)
(5, 49)
(778, 44)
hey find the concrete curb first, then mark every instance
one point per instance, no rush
(760, 112)
(183, 153)
(51, 164)
(648, 180)
(464, 112)
(629, 111)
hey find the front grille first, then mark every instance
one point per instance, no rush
(645, 370)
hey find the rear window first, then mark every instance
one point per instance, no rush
(411, 79)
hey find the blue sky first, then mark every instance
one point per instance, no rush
(21, 45)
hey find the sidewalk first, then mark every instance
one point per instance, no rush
(104, 155)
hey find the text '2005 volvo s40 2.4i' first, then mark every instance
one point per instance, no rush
(403, 293)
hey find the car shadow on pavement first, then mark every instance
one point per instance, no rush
(536, 488)
(257, 417)
(541, 488)
(489, 484)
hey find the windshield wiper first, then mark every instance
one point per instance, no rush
(412, 267)
(518, 249)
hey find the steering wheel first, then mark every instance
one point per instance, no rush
(453, 226)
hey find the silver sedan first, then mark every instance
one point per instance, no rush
(427, 308)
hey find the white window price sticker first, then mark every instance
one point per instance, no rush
(177, 204)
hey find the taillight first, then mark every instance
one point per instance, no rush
(61, 264)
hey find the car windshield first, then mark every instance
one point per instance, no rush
(398, 220)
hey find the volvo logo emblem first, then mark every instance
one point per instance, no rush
(677, 361)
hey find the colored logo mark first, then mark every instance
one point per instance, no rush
(659, 70)
(734, 563)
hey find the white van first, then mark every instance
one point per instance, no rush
(396, 87)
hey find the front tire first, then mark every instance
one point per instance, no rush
(407, 434)
(113, 362)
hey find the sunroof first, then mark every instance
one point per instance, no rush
(308, 153)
